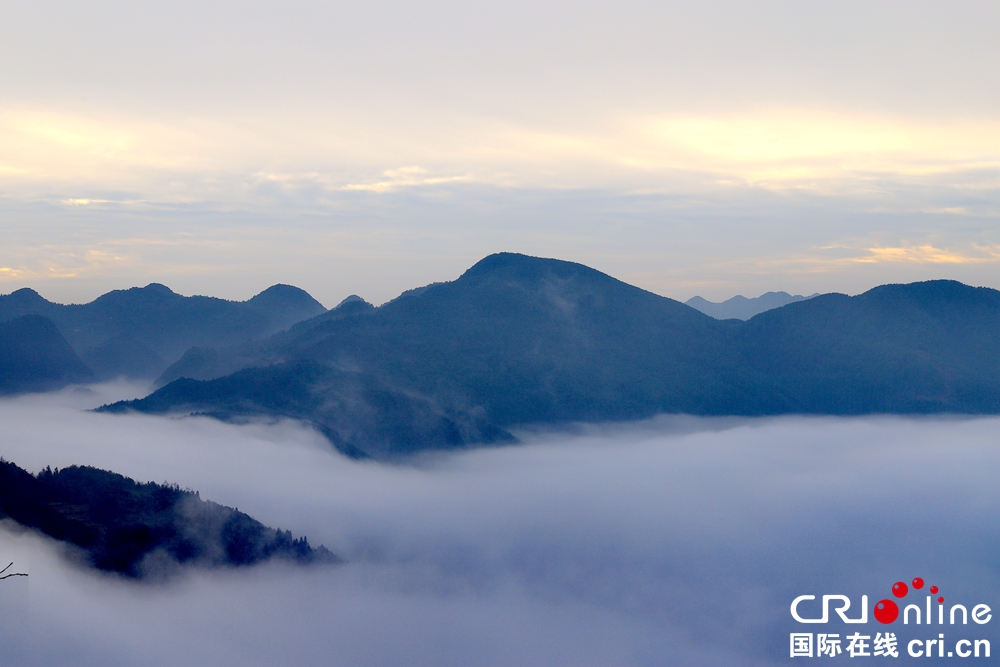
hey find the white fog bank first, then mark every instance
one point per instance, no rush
(673, 541)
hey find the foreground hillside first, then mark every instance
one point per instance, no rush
(519, 340)
(140, 529)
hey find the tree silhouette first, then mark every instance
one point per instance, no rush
(12, 574)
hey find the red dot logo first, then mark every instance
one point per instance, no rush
(899, 589)
(941, 600)
(933, 590)
(886, 611)
(918, 583)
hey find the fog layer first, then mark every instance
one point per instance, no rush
(673, 541)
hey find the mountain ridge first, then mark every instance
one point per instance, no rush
(138, 332)
(517, 340)
(742, 308)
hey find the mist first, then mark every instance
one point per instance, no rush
(673, 541)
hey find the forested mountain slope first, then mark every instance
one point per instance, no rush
(520, 340)
(137, 529)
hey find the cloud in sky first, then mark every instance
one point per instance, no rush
(180, 160)
(377, 244)
(675, 539)
(927, 253)
(483, 128)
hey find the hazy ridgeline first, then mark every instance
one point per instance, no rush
(520, 340)
(514, 341)
(135, 333)
(672, 541)
(741, 308)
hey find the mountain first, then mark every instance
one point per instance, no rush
(139, 332)
(34, 356)
(514, 340)
(141, 529)
(927, 347)
(741, 308)
(361, 415)
(519, 340)
(207, 363)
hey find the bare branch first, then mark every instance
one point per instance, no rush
(12, 574)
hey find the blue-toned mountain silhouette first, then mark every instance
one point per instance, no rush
(519, 340)
(741, 308)
(34, 356)
(137, 333)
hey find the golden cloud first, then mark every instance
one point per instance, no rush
(405, 177)
(784, 147)
(776, 149)
(928, 254)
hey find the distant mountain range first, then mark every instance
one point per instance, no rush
(519, 340)
(137, 333)
(741, 308)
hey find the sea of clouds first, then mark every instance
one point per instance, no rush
(672, 541)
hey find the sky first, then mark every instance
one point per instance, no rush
(673, 541)
(714, 148)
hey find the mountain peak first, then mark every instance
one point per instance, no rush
(26, 295)
(352, 298)
(524, 266)
(282, 295)
(153, 293)
(930, 289)
(941, 295)
(157, 288)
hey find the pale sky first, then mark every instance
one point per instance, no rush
(689, 148)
